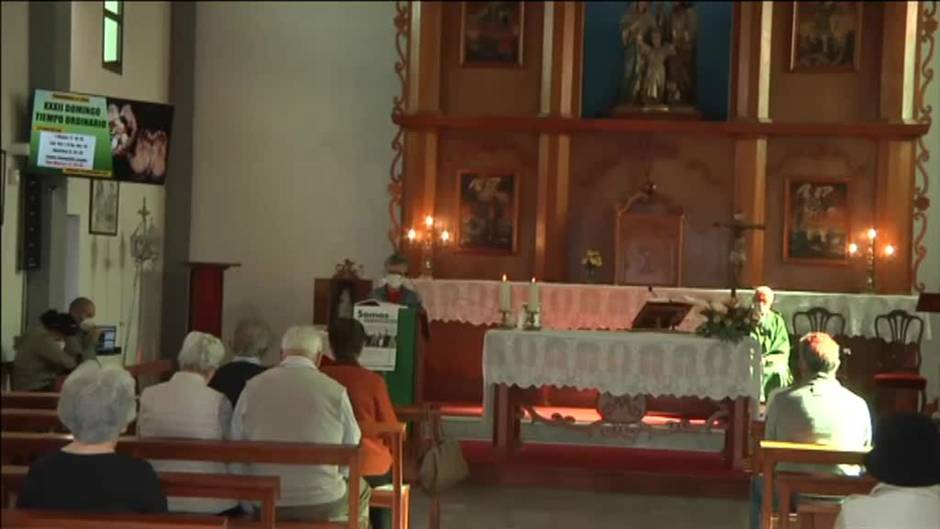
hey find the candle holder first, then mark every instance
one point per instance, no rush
(506, 319)
(870, 255)
(533, 318)
(433, 234)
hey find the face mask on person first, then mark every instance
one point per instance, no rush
(394, 281)
(87, 325)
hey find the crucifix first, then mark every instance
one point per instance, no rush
(738, 228)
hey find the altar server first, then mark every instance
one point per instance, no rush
(772, 334)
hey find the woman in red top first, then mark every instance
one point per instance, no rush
(367, 393)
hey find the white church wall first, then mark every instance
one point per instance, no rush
(14, 99)
(291, 148)
(930, 268)
(106, 271)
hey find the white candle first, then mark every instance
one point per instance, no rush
(505, 295)
(534, 296)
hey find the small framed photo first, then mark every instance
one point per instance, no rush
(491, 33)
(488, 211)
(816, 221)
(103, 207)
(826, 37)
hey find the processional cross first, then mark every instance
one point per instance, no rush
(738, 255)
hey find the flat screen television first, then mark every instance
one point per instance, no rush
(99, 137)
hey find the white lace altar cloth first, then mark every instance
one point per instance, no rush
(623, 363)
(608, 307)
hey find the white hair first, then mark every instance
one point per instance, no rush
(766, 291)
(201, 352)
(303, 339)
(251, 338)
(97, 403)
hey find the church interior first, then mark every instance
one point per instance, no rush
(608, 264)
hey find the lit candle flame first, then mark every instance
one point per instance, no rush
(889, 250)
(412, 234)
(504, 277)
(429, 221)
(853, 248)
(445, 236)
(872, 234)
(533, 280)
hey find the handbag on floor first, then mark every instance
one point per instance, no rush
(443, 465)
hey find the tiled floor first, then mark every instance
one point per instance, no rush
(475, 507)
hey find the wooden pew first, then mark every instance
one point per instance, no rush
(398, 497)
(264, 489)
(30, 445)
(35, 400)
(817, 514)
(774, 452)
(790, 483)
(425, 420)
(27, 420)
(159, 369)
(16, 519)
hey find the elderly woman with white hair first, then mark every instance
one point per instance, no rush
(249, 345)
(186, 407)
(295, 402)
(96, 405)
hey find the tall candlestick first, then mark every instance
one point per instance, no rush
(534, 296)
(505, 295)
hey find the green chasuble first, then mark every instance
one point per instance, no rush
(771, 333)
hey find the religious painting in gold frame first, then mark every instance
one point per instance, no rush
(816, 220)
(648, 240)
(825, 37)
(487, 211)
(491, 33)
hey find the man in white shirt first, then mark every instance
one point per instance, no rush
(906, 463)
(819, 410)
(295, 402)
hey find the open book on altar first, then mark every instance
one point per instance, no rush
(661, 315)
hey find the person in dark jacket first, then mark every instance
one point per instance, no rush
(249, 345)
(41, 355)
(96, 406)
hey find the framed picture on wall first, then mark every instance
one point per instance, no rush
(816, 220)
(488, 211)
(826, 37)
(491, 33)
(103, 207)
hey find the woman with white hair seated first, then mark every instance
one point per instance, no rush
(96, 405)
(185, 406)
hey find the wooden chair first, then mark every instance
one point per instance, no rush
(31, 445)
(264, 489)
(817, 514)
(900, 328)
(789, 484)
(774, 452)
(818, 320)
(396, 496)
(16, 519)
(425, 421)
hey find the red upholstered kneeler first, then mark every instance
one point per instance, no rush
(206, 289)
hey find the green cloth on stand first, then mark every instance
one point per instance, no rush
(401, 381)
(772, 335)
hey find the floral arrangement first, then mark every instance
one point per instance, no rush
(728, 320)
(592, 262)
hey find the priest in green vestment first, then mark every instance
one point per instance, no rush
(771, 332)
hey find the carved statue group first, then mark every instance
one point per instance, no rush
(659, 56)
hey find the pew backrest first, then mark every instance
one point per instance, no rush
(35, 400)
(774, 452)
(17, 519)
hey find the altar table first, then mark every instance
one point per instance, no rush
(612, 307)
(621, 363)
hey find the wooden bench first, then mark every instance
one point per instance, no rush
(44, 419)
(817, 514)
(264, 489)
(30, 445)
(34, 400)
(425, 420)
(774, 452)
(17, 519)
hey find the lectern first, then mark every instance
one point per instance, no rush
(206, 289)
